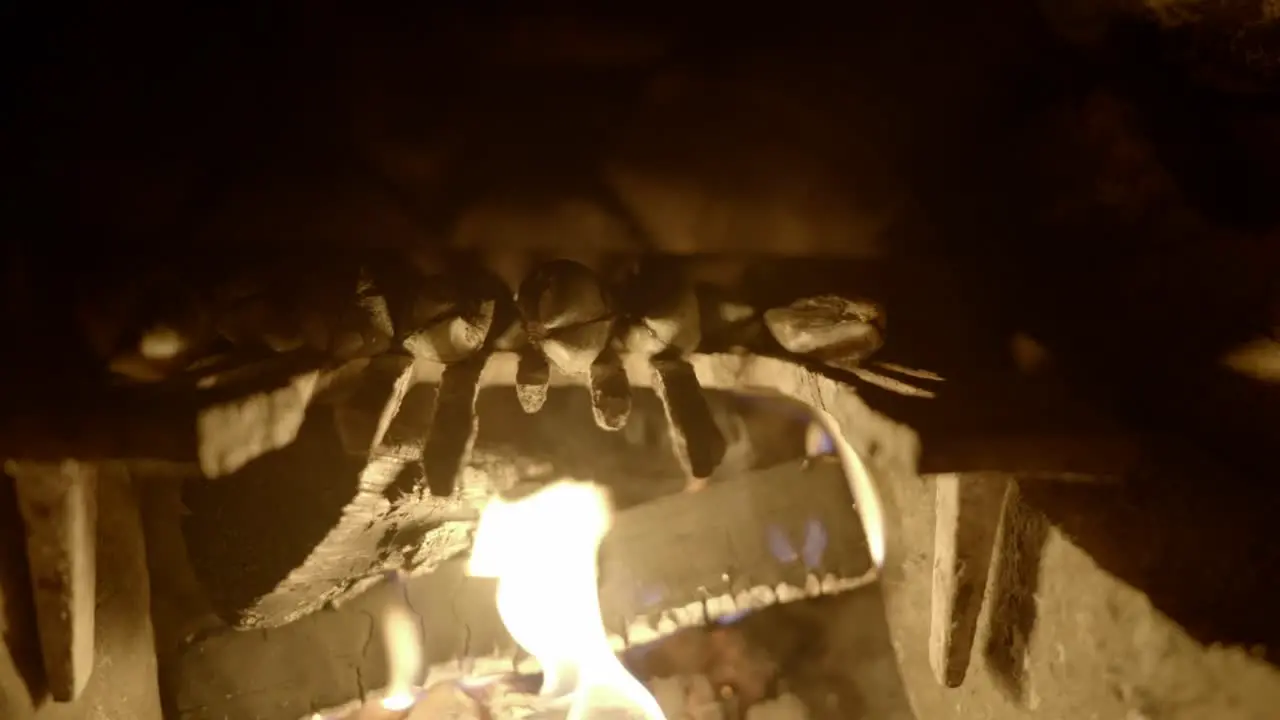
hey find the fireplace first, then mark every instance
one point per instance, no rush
(717, 592)
(924, 361)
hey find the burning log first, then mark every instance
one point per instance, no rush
(396, 414)
(385, 523)
(644, 557)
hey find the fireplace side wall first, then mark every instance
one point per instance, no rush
(123, 685)
(1061, 636)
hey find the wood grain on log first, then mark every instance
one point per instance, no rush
(373, 526)
(710, 553)
(690, 559)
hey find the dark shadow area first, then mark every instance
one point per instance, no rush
(1203, 551)
(246, 532)
(1224, 179)
(1012, 618)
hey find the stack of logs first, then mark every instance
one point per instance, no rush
(216, 388)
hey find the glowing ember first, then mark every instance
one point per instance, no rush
(542, 549)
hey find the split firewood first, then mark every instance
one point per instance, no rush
(569, 317)
(694, 434)
(666, 329)
(382, 523)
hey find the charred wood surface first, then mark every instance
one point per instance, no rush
(356, 528)
(267, 561)
(783, 534)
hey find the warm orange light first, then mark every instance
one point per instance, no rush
(542, 549)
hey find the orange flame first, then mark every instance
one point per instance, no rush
(542, 549)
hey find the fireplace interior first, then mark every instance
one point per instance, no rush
(910, 360)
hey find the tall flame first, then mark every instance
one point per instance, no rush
(542, 549)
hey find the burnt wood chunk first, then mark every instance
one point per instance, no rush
(968, 511)
(59, 507)
(694, 434)
(379, 519)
